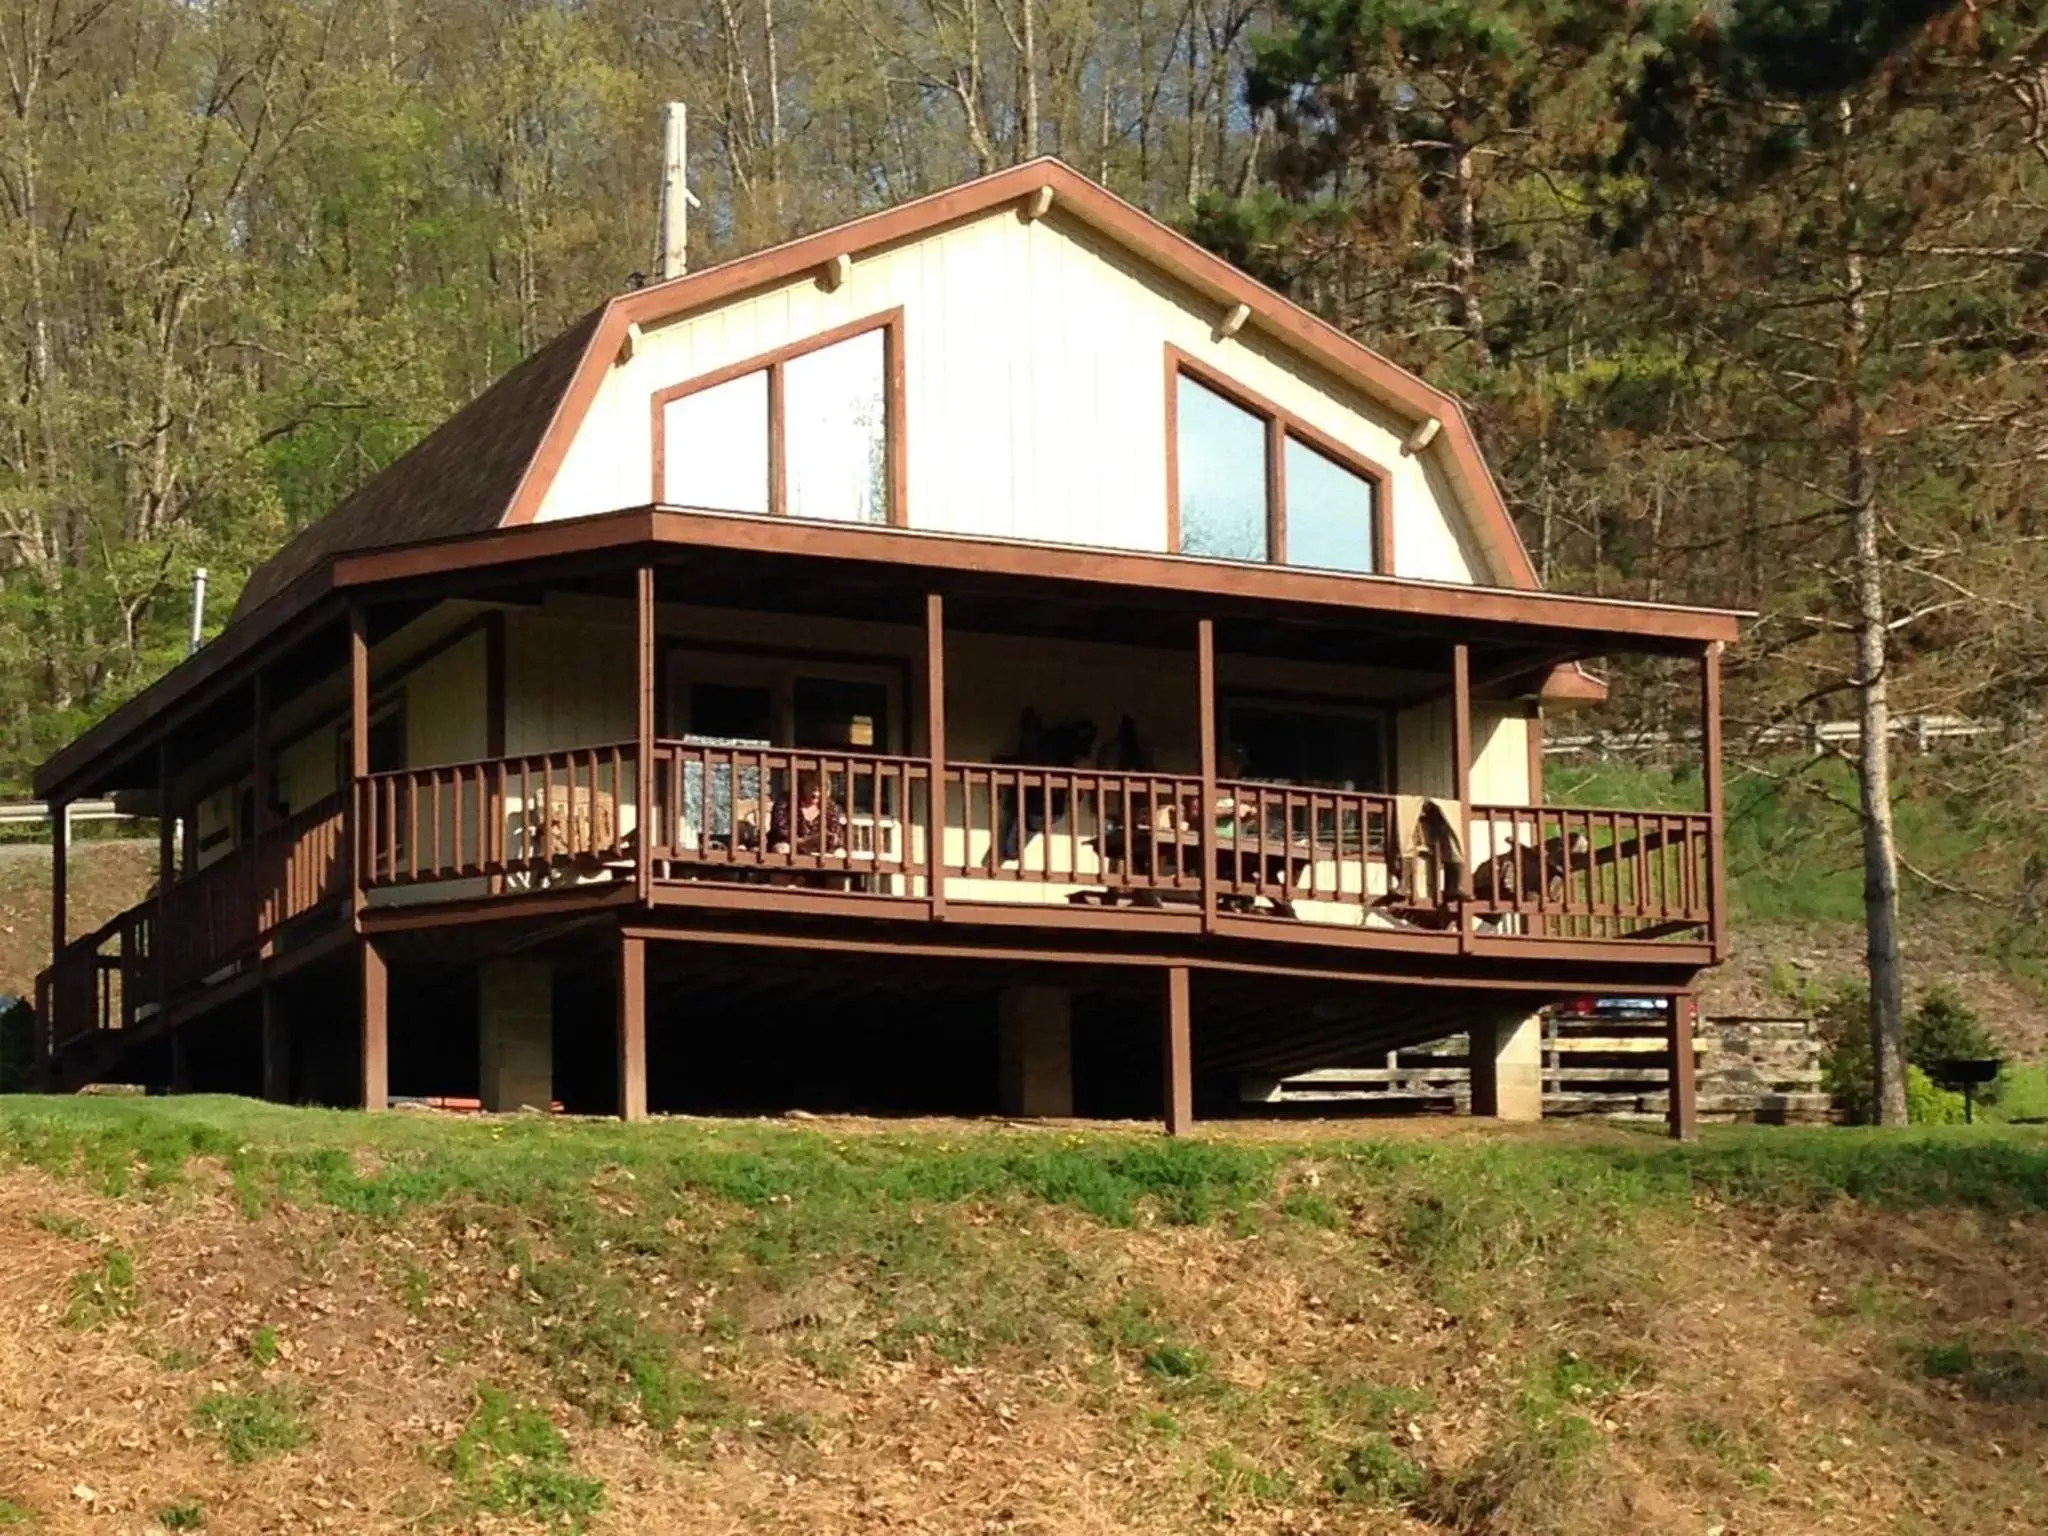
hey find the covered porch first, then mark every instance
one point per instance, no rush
(687, 718)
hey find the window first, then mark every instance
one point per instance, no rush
(1323, 748)
(810, 431)
(716, 447)
(1251, 482)
(1222, 476)
(835, 431)
(1329, 511)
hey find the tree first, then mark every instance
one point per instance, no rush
(1819, 187)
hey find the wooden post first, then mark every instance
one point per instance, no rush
(935, 747)
(269, 899)
(1178, 1052)
(632, 1006)
(1682, 1114)
(643, 809)
(181, 1059)
(166, 875)
(1710, 786)
(1205, 675)
(376, 1025)
(277, 1044)
(359, 754)
(1461, 776)
(60, 875)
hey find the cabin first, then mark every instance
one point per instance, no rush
(989, 656)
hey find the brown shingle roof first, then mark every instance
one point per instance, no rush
(458, 479)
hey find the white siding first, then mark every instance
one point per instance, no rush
(1034, 383)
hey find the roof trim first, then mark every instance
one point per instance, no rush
(1162, 247)
(1602, 620)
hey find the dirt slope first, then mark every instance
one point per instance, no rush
(713, 1326)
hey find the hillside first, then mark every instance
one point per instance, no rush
(224, 1315)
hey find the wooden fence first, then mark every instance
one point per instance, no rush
(1749, 1069)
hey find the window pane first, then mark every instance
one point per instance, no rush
(1329, 512)
(836, 434)
(715, 447)
(1222, 474)
(1328, 750)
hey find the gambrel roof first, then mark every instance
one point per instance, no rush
(491, 463)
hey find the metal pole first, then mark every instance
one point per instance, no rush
(198, 609)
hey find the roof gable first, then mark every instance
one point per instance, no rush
(491, 464)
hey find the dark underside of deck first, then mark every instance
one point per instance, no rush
(753, 1011)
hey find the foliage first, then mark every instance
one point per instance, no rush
(1943, 1026)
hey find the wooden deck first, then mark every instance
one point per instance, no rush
(1073, 851)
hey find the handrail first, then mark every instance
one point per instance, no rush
(1053, 825)
(715, 808)
(1593, 872)
(494, 817)
(1288, 843)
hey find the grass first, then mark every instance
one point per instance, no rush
(252, 1426)
(12, 1513)
(1793, 848)
(510, 1459)
(102, 1292)
(185, 1515)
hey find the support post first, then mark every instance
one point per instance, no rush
(269, 900)
(1178, 1054)
(1710, 786)
(632, 1023)
(1035, 1052)
(1682, 1113)
(1205, 674)
(1461, 778)
(376, 1025)
(643, 791)
(935, 747)
(181, 1059)
(359, 755)
(166, 875)
(60, 875)
(277, 1048)
(516, 1034)
(1506, 1060)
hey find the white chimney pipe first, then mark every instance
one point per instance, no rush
(198, 609)
(673, 259)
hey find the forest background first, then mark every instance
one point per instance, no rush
(1748, 299)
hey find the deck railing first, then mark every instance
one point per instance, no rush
(225, 911)
(716, 816)
(1283, 844)
(1553, 872)
(1083, 827)
(214, 918)
(498, 819)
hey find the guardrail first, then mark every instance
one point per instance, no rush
(1815, 736)
(28, 813)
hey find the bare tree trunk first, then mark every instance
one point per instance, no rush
(1028, 150)
(1873, 688)
(1465, 256)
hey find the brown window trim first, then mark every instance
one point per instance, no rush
(890, 323)
(1281, 424)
